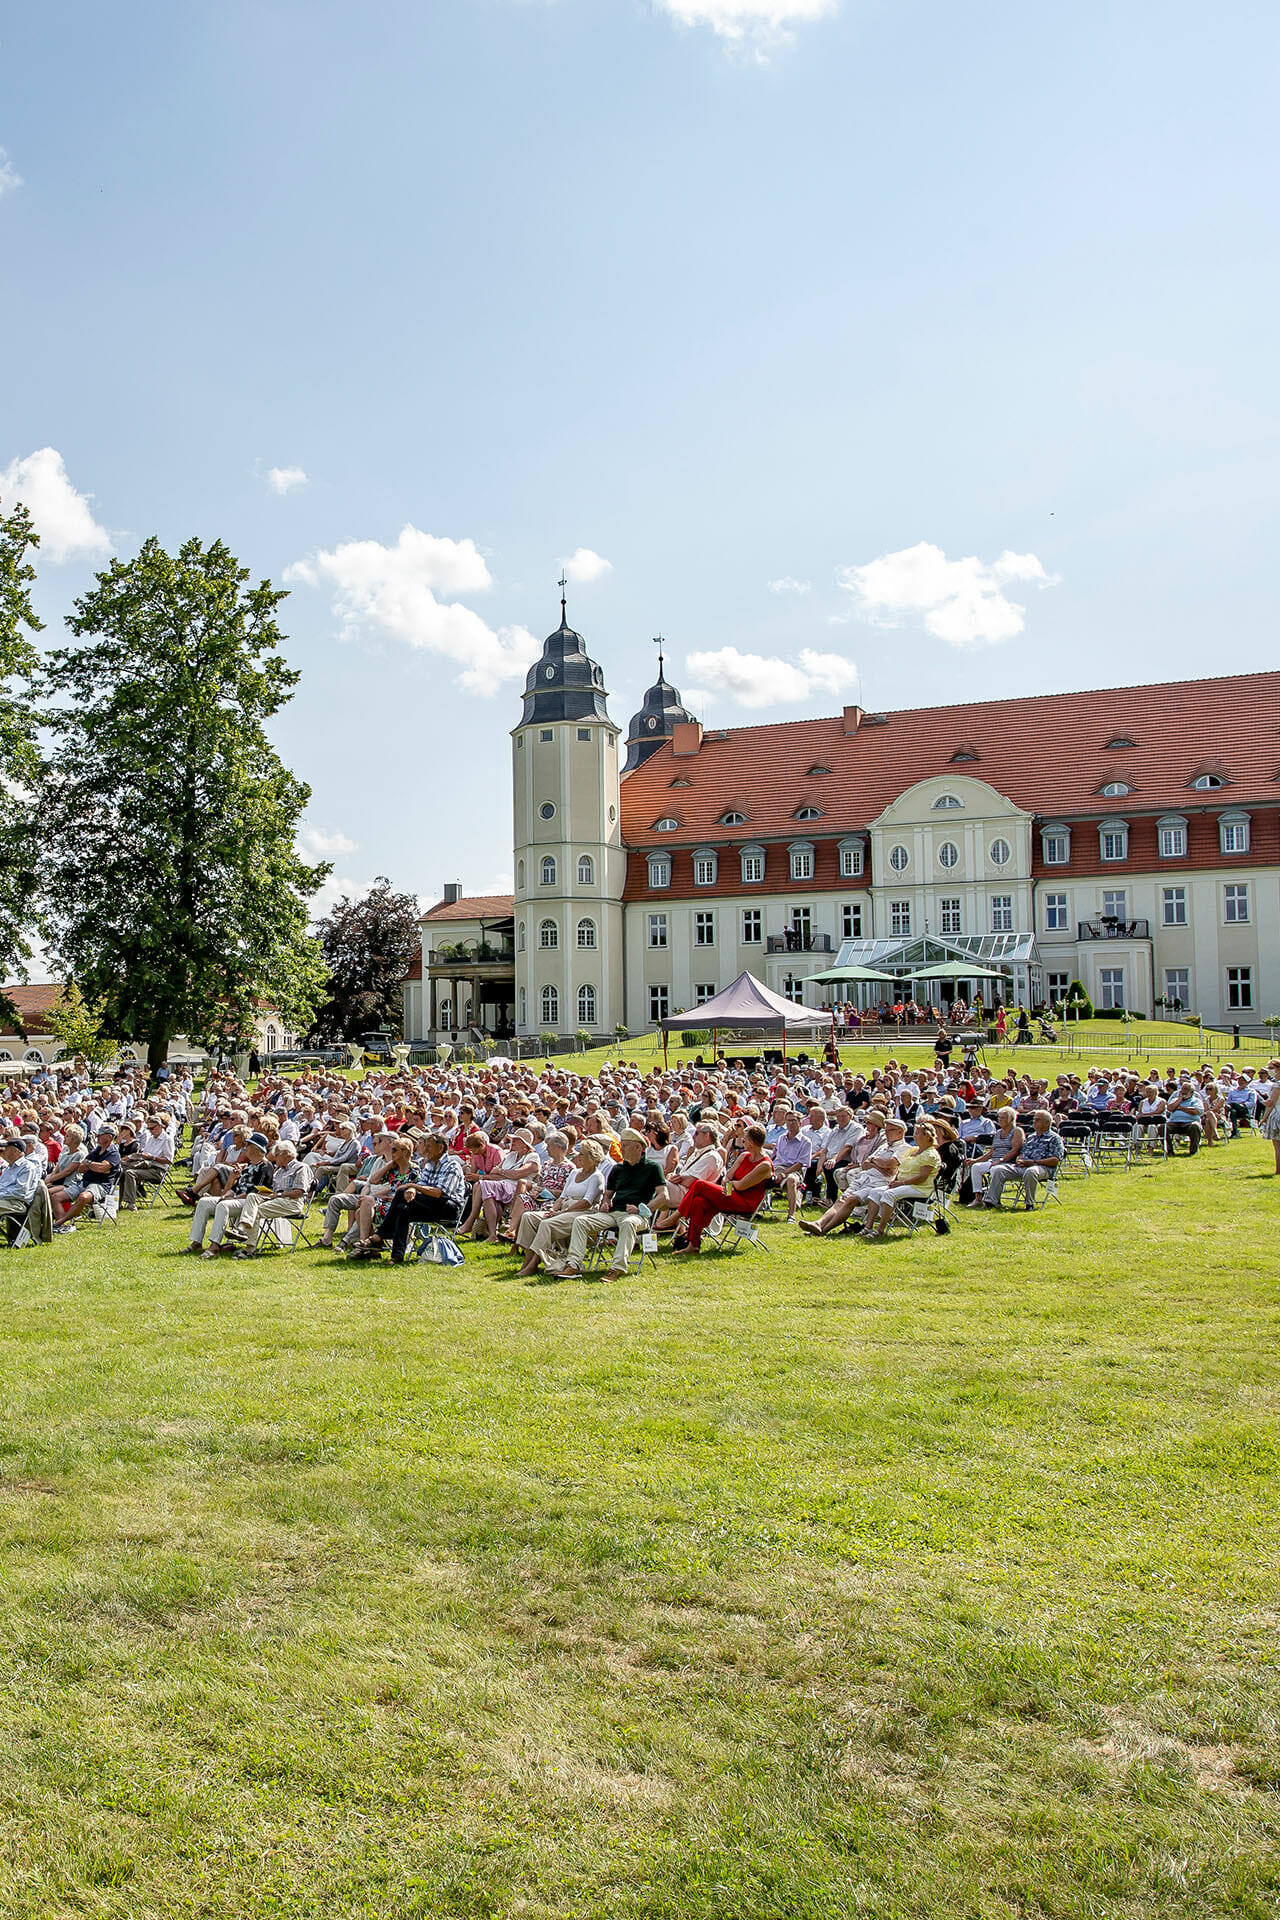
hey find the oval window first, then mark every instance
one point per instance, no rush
(948, 854)
(547, 810)
(1000, 852)
(899, 859)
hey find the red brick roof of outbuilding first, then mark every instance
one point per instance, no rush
(35, 1000)
(1048, 753)
(473, 906)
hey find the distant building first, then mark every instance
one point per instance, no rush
(1128, 838)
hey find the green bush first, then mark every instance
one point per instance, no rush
(546, 1041)
(1116, 1013)
(695, 1037)
(620, 1032)
(1078, 1001)
(584, 1038)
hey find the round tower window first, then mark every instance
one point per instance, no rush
(547, 810)
(651, 723)
(613, 814)
(548, 673)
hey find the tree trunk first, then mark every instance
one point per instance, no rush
(158, 1038)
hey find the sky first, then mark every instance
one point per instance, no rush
(908, 353)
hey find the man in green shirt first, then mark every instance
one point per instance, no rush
(630, 1186)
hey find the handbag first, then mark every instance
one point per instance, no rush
(442, 1250)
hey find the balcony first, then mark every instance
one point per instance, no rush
(486, 957)
(796, 940)
(1106, 928)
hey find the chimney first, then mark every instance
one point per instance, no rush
(452, 892)
(852, 719)
(686, 737)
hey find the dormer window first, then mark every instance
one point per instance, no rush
(666, 825)
(946, 803)
(659, 869)
(852, 858)
(801, 852)
(808, 813)
(705, 864)
(1119, 740)
(815, 771)
(1115, 789)
(1208, 782)
(1171, 837)
(733, 818)
(1113, 839)
(1055, 843)
(679, 781)
(965, 751)
(1233, 832)
(752, 866)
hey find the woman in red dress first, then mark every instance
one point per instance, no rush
(745, 1186)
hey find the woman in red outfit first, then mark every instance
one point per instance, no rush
(745, 1186)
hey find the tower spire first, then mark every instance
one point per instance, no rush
(562, 583)
(659, 643)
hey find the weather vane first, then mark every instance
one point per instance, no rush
(562, 583)
(659, 643)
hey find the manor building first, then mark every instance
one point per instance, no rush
(1128, 838)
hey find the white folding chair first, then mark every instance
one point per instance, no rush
(738, 1230)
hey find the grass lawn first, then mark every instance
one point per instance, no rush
(930, 1579)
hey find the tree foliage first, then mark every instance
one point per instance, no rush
(78, 1024)
(173, 890)
(367, 945)
(19, 755)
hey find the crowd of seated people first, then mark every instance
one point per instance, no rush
(558, 1166)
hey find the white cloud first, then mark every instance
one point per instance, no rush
(584, 566)
(63, 517)
(394, 590)
(315, 843)
(960, 601)
(755, 681)
(787, 585)
(330, 891)
(281, 479)
(755, 25)
(9, 177)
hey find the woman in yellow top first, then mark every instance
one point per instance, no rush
(914, 1180)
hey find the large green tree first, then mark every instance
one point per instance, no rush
(19, 755)
(368, 944)
(174, 894)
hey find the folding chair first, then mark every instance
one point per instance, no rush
(1113, 1142)
(437, 1245)
(288, 1232)
(737, 1230)
(24, 1236)
(1078, 1138)
(606, 1243)
(1045, 1191)
(106, 1213)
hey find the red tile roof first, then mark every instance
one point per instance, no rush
(415, 967)
(1048, 753)
(35, 1001)
(473, 906)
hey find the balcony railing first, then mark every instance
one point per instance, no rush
(1106, 928)
(796, 940)
(463, 953)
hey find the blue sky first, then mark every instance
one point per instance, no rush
(912, 350)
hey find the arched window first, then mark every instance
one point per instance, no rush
(851, 853)
(733, 818)
(1233, 832)
(666, 824)
(801, 854)
(808, 813)
(1205, 783)
(272, 1040)
(659, 870)
(34, 1054)
(550, 1007)
(586, 933)
(520, 937)
(1115, 789)
(752, 865)
(548, 870)
(520, 875)
(548, 934)
(947, 802)
(522, 1006)
(586, 870)
(705, 866)
(586, 1006)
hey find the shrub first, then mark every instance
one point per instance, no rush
(1117, 1013)
(546, 1041)
(1078, 1001)
(584, 1038)
(695, 1037)
(620, 1032)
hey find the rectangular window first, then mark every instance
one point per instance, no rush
(1235, 906)
(546, 734)
(899, 916)
(1233, 839)
(1173, 903)
(1002, 913)
(657, 929)
(1177, 988)
(584, 733)
(1055, 849)
(949, 916)
(1055, 913)
(1239, 989)
(1173, 843)
(1111, 980)
(851, 920)
(752, 867)
(703, 992)
(659, 872)
(704, 870)
(850, 862)
(1115, 904)
(802, 865)
(801, 928)
(1115, 845)
(751, 935)
(659, 1002)
(704, 929)
(1057, 986)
